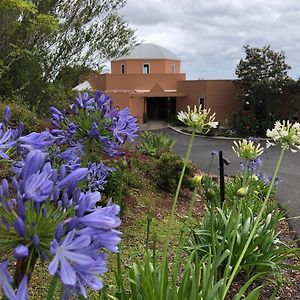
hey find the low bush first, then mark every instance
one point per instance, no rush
(21, 112)
(154, 144)
(169, 168)
(245, 124)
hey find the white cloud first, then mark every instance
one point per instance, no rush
(209, 36)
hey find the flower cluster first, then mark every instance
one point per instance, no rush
(285, 133)
(49, 209)
(94, 122)
(47, 216)
(199, 119)
(247, 149)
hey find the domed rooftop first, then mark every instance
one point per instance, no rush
(149, 51)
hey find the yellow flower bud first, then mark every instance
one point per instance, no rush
(242, 192)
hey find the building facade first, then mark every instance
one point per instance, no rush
(149, 81)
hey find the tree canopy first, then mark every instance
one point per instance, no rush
(39, 38)
(262, 77)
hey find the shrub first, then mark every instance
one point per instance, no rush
(22, 112)
(169, 168)
(154, 144)
(246, 124)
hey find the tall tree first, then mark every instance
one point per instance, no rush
(262, 77)
(40, 37)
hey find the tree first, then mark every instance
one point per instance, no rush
(262, 77)
(39, 38)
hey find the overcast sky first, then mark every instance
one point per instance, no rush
(208, 35)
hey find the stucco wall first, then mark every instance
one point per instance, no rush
(136, 107)
(142, 81)
(221, 98)
(135, 66)
(193, 90)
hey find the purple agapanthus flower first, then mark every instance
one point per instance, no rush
(98, 175)
(6, 284)
(67, 254)
(36, 140)
(126, 126)
(6, 142)
(254, 165)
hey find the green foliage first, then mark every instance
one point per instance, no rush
(22, 113)
(169, 168)
(246, 124)
(262, 76)
(40, 39)
(154, 144)
(265, 253)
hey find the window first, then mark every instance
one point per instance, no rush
(122, 69)
(202, 102)
(146, 68)
(173, 68)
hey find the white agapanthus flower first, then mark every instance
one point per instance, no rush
(247, 149)
(285, 133)
(198, 119)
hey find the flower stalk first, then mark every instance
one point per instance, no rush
(252, 233)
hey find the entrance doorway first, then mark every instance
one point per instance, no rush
(161, 108)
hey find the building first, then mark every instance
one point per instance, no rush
(149, 81)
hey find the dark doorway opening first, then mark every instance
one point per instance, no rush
(161, 108)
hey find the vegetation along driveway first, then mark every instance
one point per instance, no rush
(289, 173)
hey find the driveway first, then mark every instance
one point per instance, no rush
(289, 188)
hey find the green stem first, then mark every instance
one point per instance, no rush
(120, 196)
(172, 214)
(87, 152)
(182, 238)
(227, 269)
(52, 288)
(252, 233)
(194, 196)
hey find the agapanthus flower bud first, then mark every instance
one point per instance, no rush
(20, 227)
(15, 184)
(75, 176)
(20, 128)
(65, 199)
(21, 206)
(243, 192)
(5, 187)
(35, 240)
(59, 231)
(247, 149)
(8, 206)
(44, 212)
(62, 172)
(197, 180)
(73, 223)
(6, 115)
(20, 252)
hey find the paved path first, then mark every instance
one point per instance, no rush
(289, 189)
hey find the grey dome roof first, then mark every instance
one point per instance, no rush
(149, 51)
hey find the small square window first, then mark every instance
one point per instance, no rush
(122, 69)
(146, 68)
(173, 68)
(202, 102)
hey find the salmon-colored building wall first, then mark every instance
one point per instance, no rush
(221, 98)
(193, 90)
(136, 81)
(219, 95)
(135, 66)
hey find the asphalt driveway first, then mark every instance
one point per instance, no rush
(289, 173)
